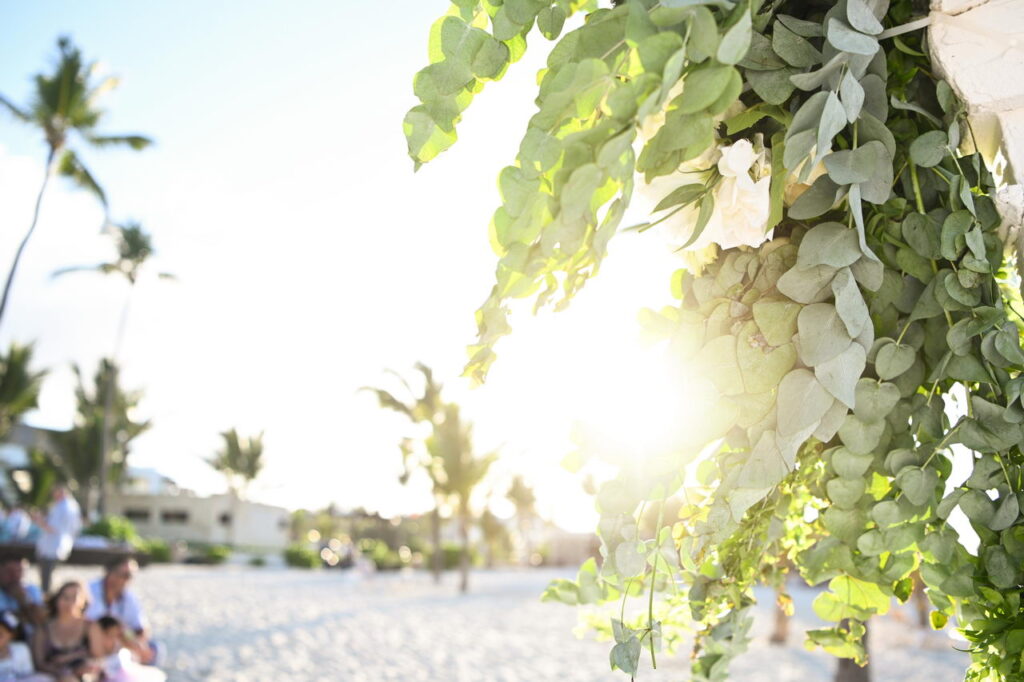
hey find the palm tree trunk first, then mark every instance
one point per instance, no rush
(435, 532)
(108, 407)
(464, 555)
(848, 671)
(28, 235)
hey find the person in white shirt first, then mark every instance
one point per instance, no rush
(17, 525)
(62, 523)
(110, 596)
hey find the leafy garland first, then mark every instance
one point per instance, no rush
(825, 356)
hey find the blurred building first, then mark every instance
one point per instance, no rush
(160, 508)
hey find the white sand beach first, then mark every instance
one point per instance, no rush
(240, 624)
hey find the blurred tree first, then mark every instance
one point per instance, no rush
(19, 386)
(524, 499)
(62, 103)
(423, 406)
(497, 542)
(33, 483)
(240, 460)
(134, 247)
(457, 472)
(80, 450)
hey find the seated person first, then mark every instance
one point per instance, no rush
(107, 643)
(15, 657)
(60, 647)
(110, 596)
(24, 600)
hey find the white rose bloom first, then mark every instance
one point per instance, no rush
(743, 204)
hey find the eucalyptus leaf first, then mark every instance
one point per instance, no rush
(875, 400)
(862, 18)
(893, 359)
(805, 402)
(840, 374)
(829, 243)
(817, 200)
(845, 38)
(917, 484)
(823, 335)
(851, 94)
(736, 41)
(929, 149)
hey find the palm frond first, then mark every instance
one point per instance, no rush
(136, 142)
(60, 272)
(71, 167)
(390, 402)
(15, 110)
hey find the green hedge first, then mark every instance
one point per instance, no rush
(300, 556)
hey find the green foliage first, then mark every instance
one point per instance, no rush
(216, 554)
(822, 358)
(240, 460)
(301, 556)
(383, 557)
(79, 451)
(258, 561)
(158, 550)
(451, 554)
(19, 385)
(116, 528)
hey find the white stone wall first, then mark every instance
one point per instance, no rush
(978, 46)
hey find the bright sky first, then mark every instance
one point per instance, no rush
(309, 255)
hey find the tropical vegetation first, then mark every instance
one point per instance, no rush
(844, 278)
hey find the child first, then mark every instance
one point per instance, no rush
(15, 657)
(107, 644)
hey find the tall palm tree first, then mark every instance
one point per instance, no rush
(457, 472)
(134, 247)
(522, 496)
(102, 407)
(240, 460)
(19, 386)
(423, 406)
(64, 102)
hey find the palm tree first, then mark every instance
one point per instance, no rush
(424, 406)
(62, 103)
(457, 471)
(102, 408)
(19, 386)
(134, 247)
(521, 495)
(240, 460)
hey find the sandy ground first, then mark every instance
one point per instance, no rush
(255, 624)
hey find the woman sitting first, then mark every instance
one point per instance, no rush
(61, 645)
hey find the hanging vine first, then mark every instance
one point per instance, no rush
(846, 280)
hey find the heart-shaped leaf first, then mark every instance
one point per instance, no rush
(917, 484)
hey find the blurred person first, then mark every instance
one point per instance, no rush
(60, 526)
(17, 525)
(108, 643)
(24, 600)
(60, 647)
(110, 596)
(15, 657)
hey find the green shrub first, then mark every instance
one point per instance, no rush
(300, 556)
(451, 555)
(116, 528)
(217, 554)
(258, 561)
(158, 550)
(385, 558)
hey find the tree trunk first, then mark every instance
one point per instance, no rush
(781, 632)
(848, 671)
(28, 235)
(464, 555)
(435, 532)
(108, 406)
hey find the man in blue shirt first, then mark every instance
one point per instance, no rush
(25, 601)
